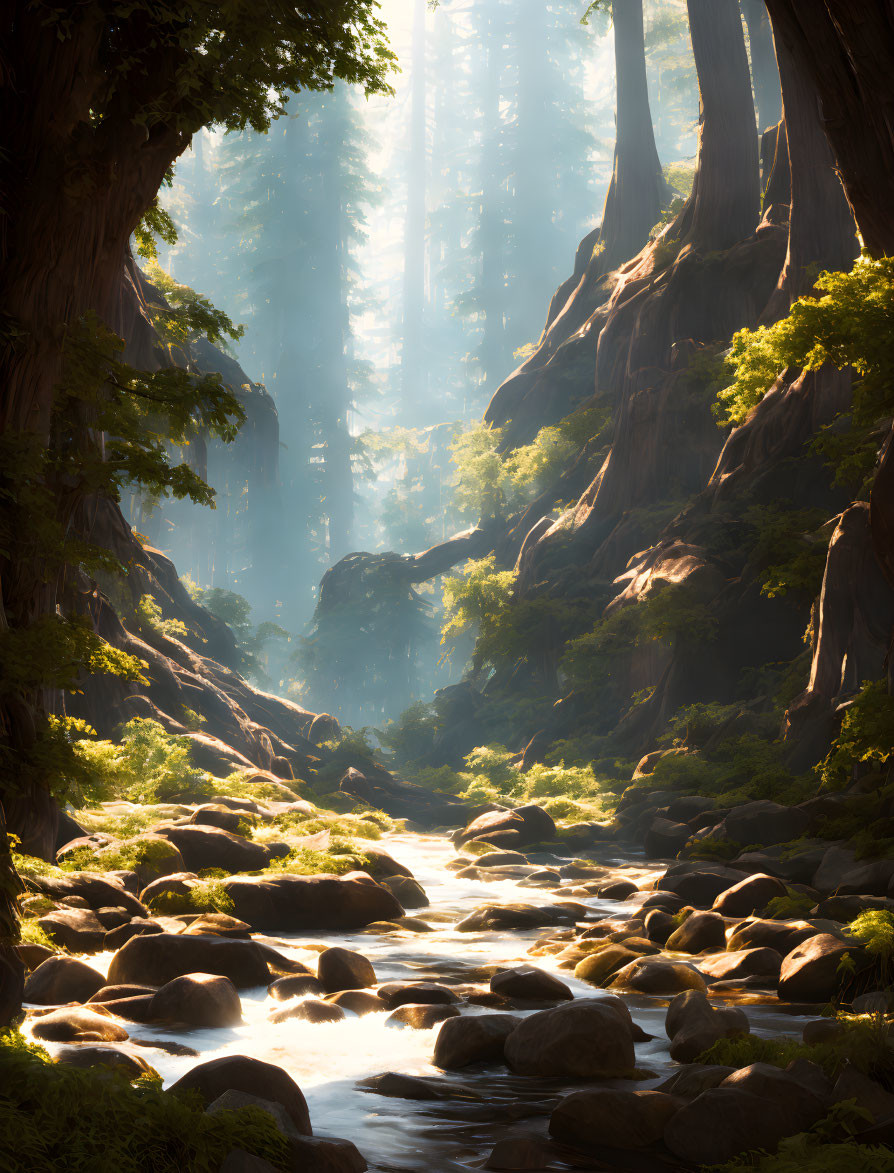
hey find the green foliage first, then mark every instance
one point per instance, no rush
(148, 615)
(793, 906)
(475, 599)
(481, 482)
(805, 1153)
(30, 933)
(866, 735)
(680, 176)
(58, 1117)
(670, 612)
(864, 1043)
(208, 895)
(875, 930)
(149, 765)
(791, 556)
(848, 324)
(184, 315)
(368, 825)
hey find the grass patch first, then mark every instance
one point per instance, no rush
(55, 1117)
(865, 1042)
(30, 933)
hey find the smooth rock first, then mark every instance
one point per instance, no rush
(693, 1025)
(62, 979)
(478, 1038)
(750, 895)
(158, 958)
(698, 932)
(651, 975)
(130, 1066)
(198, 1000)
(342, 969)
(810, 972)
(527, 983)
(75, 1024)
(357, 1001)
(294, 986)
(612, 1117)
(242, 1073)
(742, 963)
(289, 903)
(76, 929)
(585, 1038)
(211, 847)
(310, 1010)
(599, 966)
(394, 994)
(723, 1122)
(422, 1016)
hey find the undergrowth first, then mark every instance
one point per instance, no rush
(85, 1121)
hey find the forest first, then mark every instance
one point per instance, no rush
(447, 586)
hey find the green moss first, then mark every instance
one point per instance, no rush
(55, 1117)
(807, 1154)
(793, 906)
(30, 933)
(864, 1043)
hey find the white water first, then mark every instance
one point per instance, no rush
(326, 1059)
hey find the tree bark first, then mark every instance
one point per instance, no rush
(725, 201)
(848, 50)
(821, 230)
(764, 73)
(637, 191)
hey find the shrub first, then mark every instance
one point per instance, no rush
(58, 1117)
(866, 735)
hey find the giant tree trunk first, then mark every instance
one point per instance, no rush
(725, 202)
(764, 73)
(633, 206)
(847, 49)
(821, 227)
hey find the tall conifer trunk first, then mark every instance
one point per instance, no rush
(412, 368)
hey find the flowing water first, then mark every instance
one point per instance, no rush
(483, 1104)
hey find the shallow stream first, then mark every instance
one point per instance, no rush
(326, 1060)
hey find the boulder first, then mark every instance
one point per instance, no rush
(586, 1038)
(403, 800)
(394, 994)
(616, 890)
(136, 1008)
(723, 1122)
(750, 895)
(158, 958)
(310, 1010)
(851, 1084)
(699, 931)
(294, 986)
(780, 935)
(75, 1024)
(406, 890)
(404, 1087)
(665, 838)
(698, 884)
(289, 903)
(690, 1081)
(130, 1066)
(62, 979)
(420, 1016)
(848, 908)
(474, 1039)
(869, 879)
(342, 969)
(105, 891)
(764, 822)
(497, 917)
(652, 975)
(497, 859)
(198, 1000)
(659, 925)
(809, 973)
(76, 929)
(519, 1153)
(835, 865)
(211, 847)
(693, 1025)
(214, 815)
(242, 1073)
(113, 993)
(219, 924)
(598, 967)
(171, 892)
(156, 856)
(512, 828)
(357, 1001)
(233, 1101)
(612, 1117)
(31, 956)
(741, 963)
(138, 927)
(526, 983)
(803, 1107)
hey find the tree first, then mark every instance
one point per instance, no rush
(764, 72)
(847, 51)
(412, 368)
(97, 101)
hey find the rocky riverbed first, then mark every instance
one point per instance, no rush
(520, 1010)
